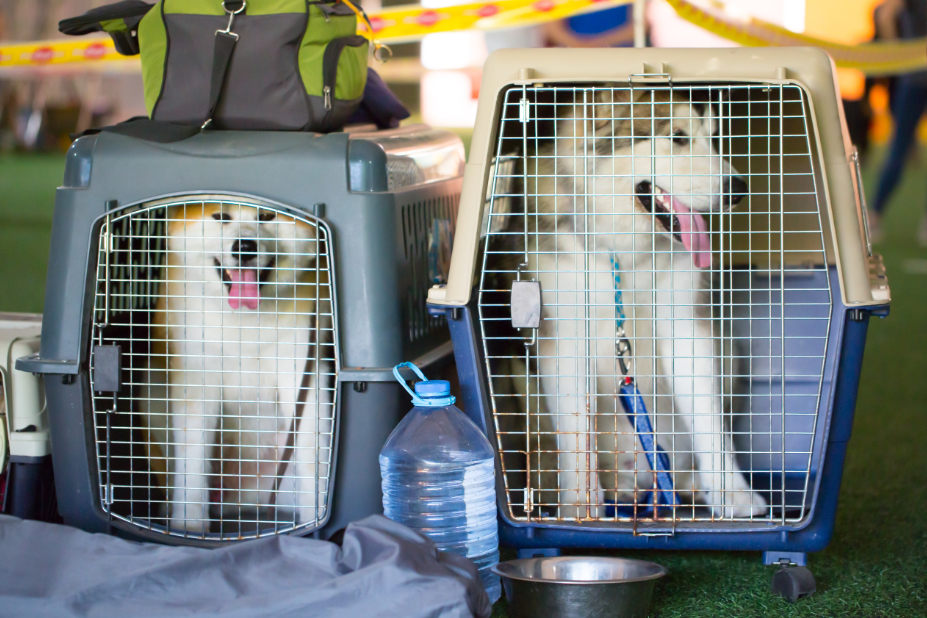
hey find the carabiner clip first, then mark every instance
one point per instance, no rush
(381, 52)
(232, 14)
(623, 350)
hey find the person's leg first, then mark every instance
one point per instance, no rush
(858, 118)
(911, 101)
(922, 230)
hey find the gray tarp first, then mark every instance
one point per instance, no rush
(381, 569)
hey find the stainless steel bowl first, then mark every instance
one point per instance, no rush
(578, 586)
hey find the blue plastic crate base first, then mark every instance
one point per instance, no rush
(807, 529)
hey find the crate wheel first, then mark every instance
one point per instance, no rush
(793, 583)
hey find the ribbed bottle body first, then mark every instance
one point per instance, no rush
(440, 486)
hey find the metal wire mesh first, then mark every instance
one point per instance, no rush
(223, 309)
(686, 219)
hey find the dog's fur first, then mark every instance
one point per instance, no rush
(224, 376)
(590, 191)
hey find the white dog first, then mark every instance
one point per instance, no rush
(240, 375)
(611, 194)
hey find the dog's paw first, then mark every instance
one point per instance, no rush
(311, 514)
(577, 509)
(160, 512)
(738, 504)
(190, 518)
(570, 512)
(193, 526)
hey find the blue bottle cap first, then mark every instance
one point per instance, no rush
(433, 388)
(433, 393)
(428, 393)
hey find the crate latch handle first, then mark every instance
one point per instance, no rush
(526, 306)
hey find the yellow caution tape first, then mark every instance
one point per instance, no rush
(412, 22)
(409, 23)
(397, 24)
(870, 58)
(54, 53)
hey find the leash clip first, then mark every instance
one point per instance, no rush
(623, 351)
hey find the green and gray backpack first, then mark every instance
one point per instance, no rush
(296, 65)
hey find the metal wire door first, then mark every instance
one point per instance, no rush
(694, 214)
(223, 310)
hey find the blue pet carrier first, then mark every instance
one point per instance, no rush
(687, 221)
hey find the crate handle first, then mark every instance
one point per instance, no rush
(649, 77)
(864, 208)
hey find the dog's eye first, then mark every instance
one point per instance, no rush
(264, 217)
(680, 138)
(221, 216)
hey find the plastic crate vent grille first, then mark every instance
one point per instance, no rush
(224, 313)
(427, 238)
(700, 208)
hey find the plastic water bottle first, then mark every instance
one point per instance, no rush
(439, 478)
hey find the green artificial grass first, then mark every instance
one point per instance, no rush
(27, 201)
(876, 565)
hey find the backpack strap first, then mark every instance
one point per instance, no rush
(144, 128)
(222, 57)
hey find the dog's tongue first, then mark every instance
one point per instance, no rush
(244, 290)
(694, 233)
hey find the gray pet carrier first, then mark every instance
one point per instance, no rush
(220, 317)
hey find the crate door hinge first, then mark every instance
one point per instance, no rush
(524, 110)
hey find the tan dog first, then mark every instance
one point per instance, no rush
(240, 395)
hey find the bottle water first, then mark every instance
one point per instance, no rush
(439, 478)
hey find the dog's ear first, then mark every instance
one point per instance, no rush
(610, 94)
(175, 212)
(614, 102)
(179, 216)
(610, 104)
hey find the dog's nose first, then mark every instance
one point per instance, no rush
(245, 249)
(735, 189)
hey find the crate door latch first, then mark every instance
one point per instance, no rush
(526, 304)
(107, 368)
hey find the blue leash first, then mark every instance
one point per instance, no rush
(634, 407)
